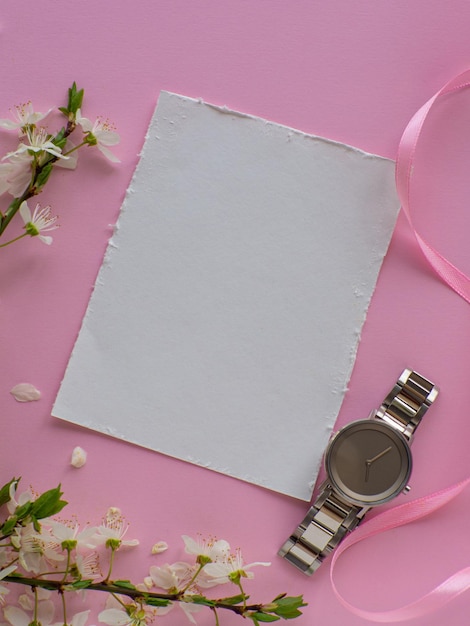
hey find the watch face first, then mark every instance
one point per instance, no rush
(368, 462)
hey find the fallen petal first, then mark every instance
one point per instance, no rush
(78, 457)
(25, 392)
(159, 547)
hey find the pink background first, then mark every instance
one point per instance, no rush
(350, 71)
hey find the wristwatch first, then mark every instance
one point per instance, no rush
(367, 463)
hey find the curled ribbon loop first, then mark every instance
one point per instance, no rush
(454, 277)
(392, 518)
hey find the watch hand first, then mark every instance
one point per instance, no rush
(378, 456)
(373, 459)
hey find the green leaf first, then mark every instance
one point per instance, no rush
(75, 98)
(24, 510)
(281, 595)
(48, 504)
(288, 606)
(156, 601)
(292, 614)
(202, 600)
(5, 491)
(80, 584)
(264, 617)
(233, 599)
(60, 139)
(74, 102)
(124, 584)
(9, 525)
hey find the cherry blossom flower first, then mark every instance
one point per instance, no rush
(100, 133)
(120, 612)
(88, 566)
(172, 577)
(70, 536)
(232, 569)
(113, 530)
(34, 551)
(39, 141)
(25, 116)
(121, 617)
(37, 223)
(14, 502)
(206, 550)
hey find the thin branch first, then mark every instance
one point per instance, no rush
(133, 593)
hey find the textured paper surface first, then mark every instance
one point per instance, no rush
(226, 316)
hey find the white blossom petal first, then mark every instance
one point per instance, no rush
(16, 174)
(7, 571)
(188, 609)
(72, 159)
(8, 124)
(47, 239)
(108, 154)
(79, 619)
(114, 617)
(159, 547)
(79, 457)
(46, 610)
(25, 212)
(16, 616)
(25, 392)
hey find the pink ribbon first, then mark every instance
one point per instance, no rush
(416, 509)
(392, 518)
(456, 279)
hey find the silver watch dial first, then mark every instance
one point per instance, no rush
(368, 462)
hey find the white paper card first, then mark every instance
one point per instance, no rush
(226, 316)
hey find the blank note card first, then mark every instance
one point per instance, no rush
(226, 316)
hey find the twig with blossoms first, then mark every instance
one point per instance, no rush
(25, 171)
(47, 555)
